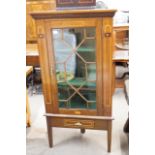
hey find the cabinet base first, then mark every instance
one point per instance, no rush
(81, 122)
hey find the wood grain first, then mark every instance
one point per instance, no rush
(107, 65)
(55, 14)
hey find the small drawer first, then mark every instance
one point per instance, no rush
(76, 123)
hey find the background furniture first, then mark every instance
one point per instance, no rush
(29, 70)
(76, 68)
(121, 54)
(35, 5)
(126, 90)
(32, 55)
(32, 59)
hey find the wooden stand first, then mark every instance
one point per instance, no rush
(79, 122)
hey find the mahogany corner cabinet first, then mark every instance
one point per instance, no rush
(75, 49)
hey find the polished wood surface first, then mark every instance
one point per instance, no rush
(32, 60)
(79, 116)
(32, 55)
(32, 48)
(107, 47)
(86, 123)
(88, 13)
(74, 118)
(79, 112)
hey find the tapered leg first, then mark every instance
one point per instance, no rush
(28, 120)
(28, 124)
(109, 135)
(113, 77)
(83, 131)
(50, 136)
(50, 133)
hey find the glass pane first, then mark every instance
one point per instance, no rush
(90, 32)
(75, 55)
(78, 102)
(91, 72)
(87, 50)
(92, 105)
(62, 47)
(60, 72)
(89, 93)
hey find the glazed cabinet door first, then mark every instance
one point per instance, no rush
(75, 66)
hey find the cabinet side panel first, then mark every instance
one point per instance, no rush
(107, 65)
(52, 73)
(99, 67)
(44, 64)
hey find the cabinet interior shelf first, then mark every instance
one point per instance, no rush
(77, 82)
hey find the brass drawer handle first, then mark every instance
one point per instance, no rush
(78, 124)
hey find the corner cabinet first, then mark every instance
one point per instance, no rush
(76, 49)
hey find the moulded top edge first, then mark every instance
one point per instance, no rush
(73, 13)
